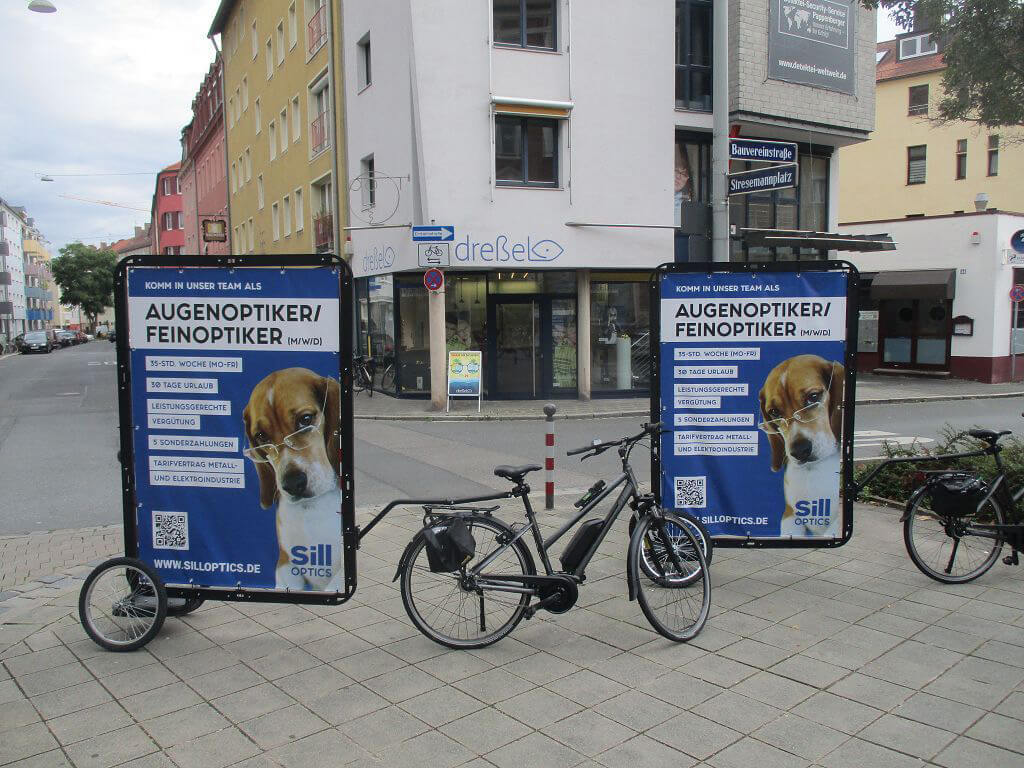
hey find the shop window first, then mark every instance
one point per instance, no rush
(993, 155)
(918, 98)
(917, 161)
(693, 55)
(413, 340)
(620, 352)
(961, 159)
(526, 151)
(375, 298)
(525, 23)
(465, 312)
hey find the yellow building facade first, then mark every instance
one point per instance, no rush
(42, 294)
(284, 124)
(913, 165)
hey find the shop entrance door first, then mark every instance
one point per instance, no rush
(533, 347)
(915, 333)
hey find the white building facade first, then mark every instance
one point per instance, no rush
(12, 273)
(567, 146)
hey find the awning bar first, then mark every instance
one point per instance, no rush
(544, 103)
(379, 226)
(620, 226)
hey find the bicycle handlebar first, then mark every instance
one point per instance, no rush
(600, 447)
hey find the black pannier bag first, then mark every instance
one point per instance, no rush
(956, 493)
(450, 545)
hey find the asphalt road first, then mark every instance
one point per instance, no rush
(58, 443)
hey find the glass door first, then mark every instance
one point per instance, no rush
(915, 333)
(516, 348)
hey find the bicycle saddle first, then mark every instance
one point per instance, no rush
(988, 435)
(515, 474)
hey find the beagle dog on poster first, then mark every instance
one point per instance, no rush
(752, 388)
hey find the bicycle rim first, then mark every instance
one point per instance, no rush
(676, 599)
(655, 556)
(945, 549)
(120, 607)
(448, 614)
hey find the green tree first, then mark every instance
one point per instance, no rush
(86, 278)
(982, 42)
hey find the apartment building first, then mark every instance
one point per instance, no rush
(12, 272)
(168, 218)
(41, 292)
(950, 196)
(567, 146)
(281, 104)
(203, 175)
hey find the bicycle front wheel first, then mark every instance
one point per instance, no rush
(652, 550)
(953, 549)
(445, 611)
(123, 604)
(676, 596)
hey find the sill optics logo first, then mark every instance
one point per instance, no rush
(816, 512)
(315, 560)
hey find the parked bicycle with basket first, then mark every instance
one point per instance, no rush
(468, 578)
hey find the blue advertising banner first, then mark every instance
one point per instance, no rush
(752, 378)
(235, 403)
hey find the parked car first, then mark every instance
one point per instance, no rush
(66, 338)
(36, 341)
(80, 337)
(89, 337)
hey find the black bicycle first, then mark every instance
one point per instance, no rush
(362, 373)
(468, 578)
(955, 523)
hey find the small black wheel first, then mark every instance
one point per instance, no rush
(387, 381)
(952, 549)
(358, 381)
(677, 599)
(122, 604)
(177, 606)
(652, 550)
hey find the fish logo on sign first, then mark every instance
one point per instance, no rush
(546, 250)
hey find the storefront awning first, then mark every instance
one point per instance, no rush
(832, 241)
(915, 284)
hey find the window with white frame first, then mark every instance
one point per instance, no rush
(248, 165)
(363, 61)
(270, 58)
(259, 191)
(919, 45)
(272, 133)
(168, 222)
(286, 211)
(367, 182)
(167, 185)
(293, 32)
(177, 185)
(255, 41)
(245, 93)
(300, 214)
(284, 130)
(275, 221)
(234, 177)
(296, 120)
(181, 219)
(252, 237)
(258, 114)
(280, 43)
(319, 117)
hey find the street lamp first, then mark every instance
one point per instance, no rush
(42, 6)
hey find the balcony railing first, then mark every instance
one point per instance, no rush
(317, 30)
(323, 230)
(320, 133)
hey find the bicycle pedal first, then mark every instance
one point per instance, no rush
(1011, 559)
(530, 612)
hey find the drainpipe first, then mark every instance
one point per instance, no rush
(720, 135)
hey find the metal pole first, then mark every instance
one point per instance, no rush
(549, 462)
(1013, 338)
(720, 135)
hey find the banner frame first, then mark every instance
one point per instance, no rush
(126, 455)
(847, 487)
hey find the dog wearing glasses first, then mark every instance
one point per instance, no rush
(291, 423)
(802, 416)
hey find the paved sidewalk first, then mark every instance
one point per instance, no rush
(871, 389)
(838, 658)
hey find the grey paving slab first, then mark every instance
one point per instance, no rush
(908, 736)
(540, 707)
(803, 737)
(644, 751)
(964, 752)
(695, 735)
(747, 752)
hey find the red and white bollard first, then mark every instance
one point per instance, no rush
(549, 462)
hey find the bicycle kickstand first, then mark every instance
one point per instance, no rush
(1011, 559)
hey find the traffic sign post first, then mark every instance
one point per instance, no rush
(433, 279)
(1017, 293)
(1016, 296)
(433, 234)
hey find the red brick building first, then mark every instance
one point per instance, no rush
(203, 177)
(168, 218)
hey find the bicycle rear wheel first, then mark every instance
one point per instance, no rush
(446, 612)
(952, 549)
(652, 550)
(676, 597)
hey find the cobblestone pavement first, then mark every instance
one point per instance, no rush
(839, 658)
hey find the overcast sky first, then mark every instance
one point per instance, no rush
(102, 86)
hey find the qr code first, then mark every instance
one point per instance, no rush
(691, 492)
(170, 530)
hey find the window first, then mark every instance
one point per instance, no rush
(270, 58)
(526, 151)
(619, 312)
(248, 165)
(287, 215)
(367, 182)
(275, 221)
(284, 130)
(921, 45)
(693, 55)
(993, 155)
(181, 219)
(293, 35)
(961, 159)
(177, 185)
(252, 237)
(167, 185)
(168, 221)
(918, 100)
(280, 43)
(234, 177)
(916, 162)
(272, 132)
(363, 61)
(316, 25)
(259, 191)
(245, 94)
(255, 41)
(525, 23)
(296, 120)
(258, 114)
(319, 125)
(300, 214)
